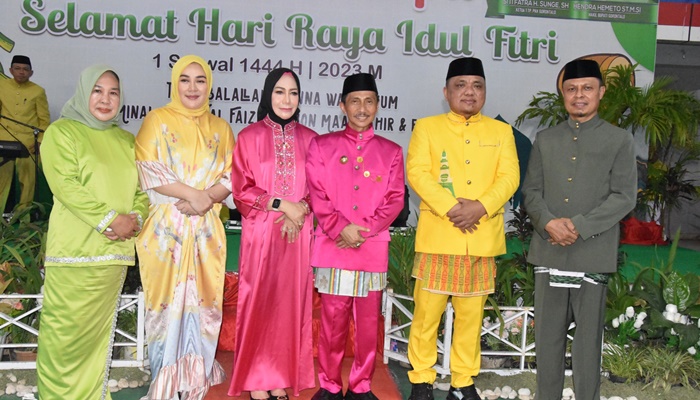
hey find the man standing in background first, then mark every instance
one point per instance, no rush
(24, 101)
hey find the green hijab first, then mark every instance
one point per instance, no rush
(78, 109)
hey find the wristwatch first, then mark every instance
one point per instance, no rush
(276, 204)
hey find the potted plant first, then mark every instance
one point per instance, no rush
(623, 363)
(22, 247)
(399, 279)
(663, 368)
(26, 315)
(127, 322)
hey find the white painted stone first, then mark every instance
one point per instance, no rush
(567, 392)
(112, 383)
(123, 383)
(133, 384)
(524, 392)
(10, 388)
(12, 377)
(632, 398)
(444, 386)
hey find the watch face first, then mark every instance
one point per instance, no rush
(276, 203)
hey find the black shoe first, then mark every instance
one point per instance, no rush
(463, 393)
(324, 394)
(350, 395)
(280, 397)
(421, 391)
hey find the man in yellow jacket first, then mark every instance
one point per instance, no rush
(23, 101)
(464, 167)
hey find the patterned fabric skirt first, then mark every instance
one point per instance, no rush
(455, 274)
(182, 263)
(77, 331)
(342, 282)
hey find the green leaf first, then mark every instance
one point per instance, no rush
(658, 320)
(689, 335)
(693, 311)
(676, 291)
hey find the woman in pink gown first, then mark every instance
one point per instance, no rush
(273, 327)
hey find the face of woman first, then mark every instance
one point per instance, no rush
(285, 97)
(192, 87)
(104, 98)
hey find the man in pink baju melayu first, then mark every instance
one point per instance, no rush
(356, 187)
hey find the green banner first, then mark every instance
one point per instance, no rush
(609, 11)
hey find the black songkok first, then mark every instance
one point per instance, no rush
(21, 60)
(582, 69)
(466, 66)
(358, 82)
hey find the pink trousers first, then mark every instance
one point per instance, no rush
(335, 318)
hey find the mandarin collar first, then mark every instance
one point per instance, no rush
(458, 118)
(359, 136)
(274, 125)
(19, 85)
(582, 126)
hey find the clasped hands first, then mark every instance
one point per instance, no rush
(465, 215)
(292, 218)
(124, 227)
(561, 232)
(200, 204)
(351, 237)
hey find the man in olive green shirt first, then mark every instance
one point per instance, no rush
(24, 101)
(581, 181)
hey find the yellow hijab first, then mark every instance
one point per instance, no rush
(175, 103)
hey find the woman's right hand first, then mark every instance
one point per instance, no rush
(201, 202)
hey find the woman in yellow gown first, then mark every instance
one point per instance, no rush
(183, 155)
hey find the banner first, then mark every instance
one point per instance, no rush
(406, 45)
